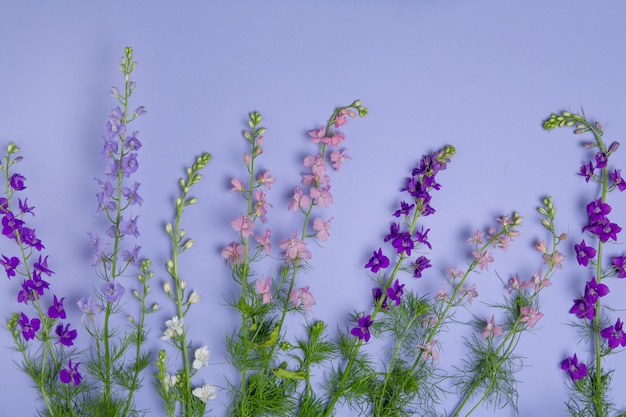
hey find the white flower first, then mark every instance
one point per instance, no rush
(194, 297)
(174, 327)
(169, 381)
(205, 393)
(202, 357)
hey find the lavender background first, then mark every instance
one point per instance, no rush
(479, 75)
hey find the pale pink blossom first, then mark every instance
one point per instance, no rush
(338, 157)
(537, 282)
(530, 315)
(336, 139)
(263, 288)
(319, 135)
(515, 284)
(294, 249)
(260, 207)
(442, 294)
(237, 185)
(310, 179)
(322, 228)
(483, 259)
(234, 253)
(477, 238)
(302, 296)
(264, 241)
(427, 350)
(471, 293)
(316, 163)
(454, 274)
(557, 258)
(299, 201)
(491, 328)
(244, 225)
(541, 246)
(265, 179)
(323, 197)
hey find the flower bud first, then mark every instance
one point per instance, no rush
(598, 126)
(167, 288)
(194, 297)
(589, 145)
(183, 284)
(192, 200)
(182, 233)
(136, 294)
(130, 319)
(169, 265)
(181, 182)
(563, 236)
(246, 158)
(545, 223)
(614, 146)
(154, 308)
(168, 228)
(187, 244)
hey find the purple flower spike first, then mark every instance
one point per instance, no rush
(576, 370)
(362, 331)
(112, 291)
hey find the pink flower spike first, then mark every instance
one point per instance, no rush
(322, 228)
(263, 288)
(244, 225)
(237, 185)
(530, 315)
(427, 350)
(302, 296)
(338, 157)
(491, 328)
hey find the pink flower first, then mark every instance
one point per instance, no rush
(310, 179)
(319, 135)
(471, 293)
(491, 328)
(244, 225)
(483, 259)
(263, 287)
(537, 282)
(454, 274)
(322, 228)
(541, 246)
(336, 139)
(302, 296)
(264, 241)
(530, 315)
(265, 179)
(260, 207)
(442, 294)
(516, 284)
(299, 201)
(237, 185)
(294, 249)
(338, 157)
(476, 238)
(233, 253)
(427, 350)
(323, 197)
(557, 257)
(316, 163)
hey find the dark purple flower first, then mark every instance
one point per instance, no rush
(29, 326)
(583, 309)
(66, 336)
(604, 229)
(403, 243)
(24, 208)
(129, 164)
(4, 205)
(17, 182)
(30, 239)
(10, 225)
(421, 263)
(617, 179)
(377, 293)
(42, 266)
(39, 284)
(395, 292)
(576, 370)
(66, 375)
(9, 265)
(405, 209)
(394, 232)
(594, 290)
(362, 331)
(112, 291)
(586, 170)
(615, 335)
(377, 261)
(131, 194)
(56, 310)
(597, 210)
(601, 160)
(422, 237)
(620, 267)
(26, 293)
(584, 253)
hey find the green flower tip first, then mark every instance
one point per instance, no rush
(12, 148)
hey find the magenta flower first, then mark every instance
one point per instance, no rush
(618, 181)
(530, 315)
(422, 237)
(615, 335)
(597, 210)
(576, 370)
(16, 182)
(377, 261)
(586, 170)
(395, 292)
(420, 265)
(583, 309)
(620, 266)
(29, 326)
(593, 290)
(601, 160)
(56, 310)
(362, 331)
(405, 209)
(377, 293)
(302, 296)
(66, 336)
(403, 243)
(71, 373)
(604, 229)
(584, 253)
(9, 265)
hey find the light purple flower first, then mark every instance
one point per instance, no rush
(112, 291)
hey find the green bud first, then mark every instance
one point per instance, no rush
(168, 228)
(187, 244)
(192, 200)
(356, 103)
(154, 308)
(181, 182)
(363, 111)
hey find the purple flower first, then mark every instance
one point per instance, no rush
(112, 291)
(66, 375)
(620, 268)
(24, 208)
(597, 210)
(131, 194)
(377, 261)
(583, 309)
(129, 227)
(377, 293)
(403, 243)
(10, 225)
(604, 229)
(601, 160)
(576, 370)
(594, 290)
(132, 142)
(42, 266)
(422, 237)
(28, 238)
(131, 256)
(26, 293)
(110, 148)
(39, 284)
(362, 331)
(66, 336)
(421, 263)
(395, 292)
(56, 310)
(405, 209)
(129, 164)
(17, 182)
(98, 248)
(88, 308)
(586, 170)
(584, 253)
(9, 265)
(615, 335)
(394, 232)
(617, 179)
(29, 327)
